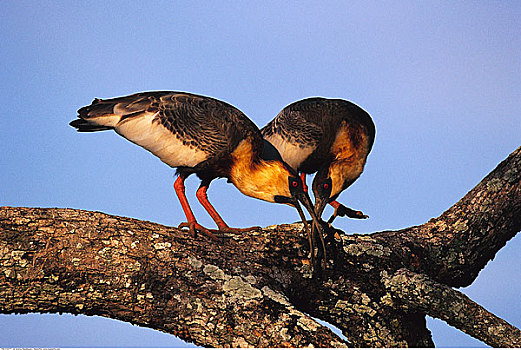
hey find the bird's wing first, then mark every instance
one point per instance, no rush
(315, 120)
(182, 129)
(294, 135)
(198, 121)
(294, 127)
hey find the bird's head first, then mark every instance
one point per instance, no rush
(336, 177)
(290, 190)
(322, 185)
(294, 194)
(274, 181)
(327, 185)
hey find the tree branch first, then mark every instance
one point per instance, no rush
(256, 288)
(419, 292)
(454, 247)
(62, 260)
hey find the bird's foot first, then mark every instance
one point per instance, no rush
(215, 234)
(193, 226)
(342, 210)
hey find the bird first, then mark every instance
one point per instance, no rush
(200, 135)
(329, 137)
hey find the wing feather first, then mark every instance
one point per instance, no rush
(182, 129)
(304, 131)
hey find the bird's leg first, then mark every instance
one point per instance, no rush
(191, 223)
(203, 198)
(223, 227)
(303, 178)
(342, 210)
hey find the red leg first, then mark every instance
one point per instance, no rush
(179, 187)
(335, 204)
(203, 198)
(303, 178)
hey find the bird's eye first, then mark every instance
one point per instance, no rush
(326, 186)
(293, 184)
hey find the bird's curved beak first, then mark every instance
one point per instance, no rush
(320, 205)
(303, 197)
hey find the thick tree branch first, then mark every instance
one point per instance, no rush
(62, 260)
(454, 247)
(256, 288)
(419, 292)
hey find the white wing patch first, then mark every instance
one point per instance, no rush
(151, 135)
(293, 154)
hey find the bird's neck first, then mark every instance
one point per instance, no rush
(349, 159)
(256, 177)
(344, 173)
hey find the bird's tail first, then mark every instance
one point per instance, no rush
(105, 114)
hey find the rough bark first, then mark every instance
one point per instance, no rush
(419, 292)
(256, 288)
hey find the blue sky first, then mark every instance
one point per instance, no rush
(441, 79)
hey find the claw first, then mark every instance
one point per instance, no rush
(215, 234)
(193, 226)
